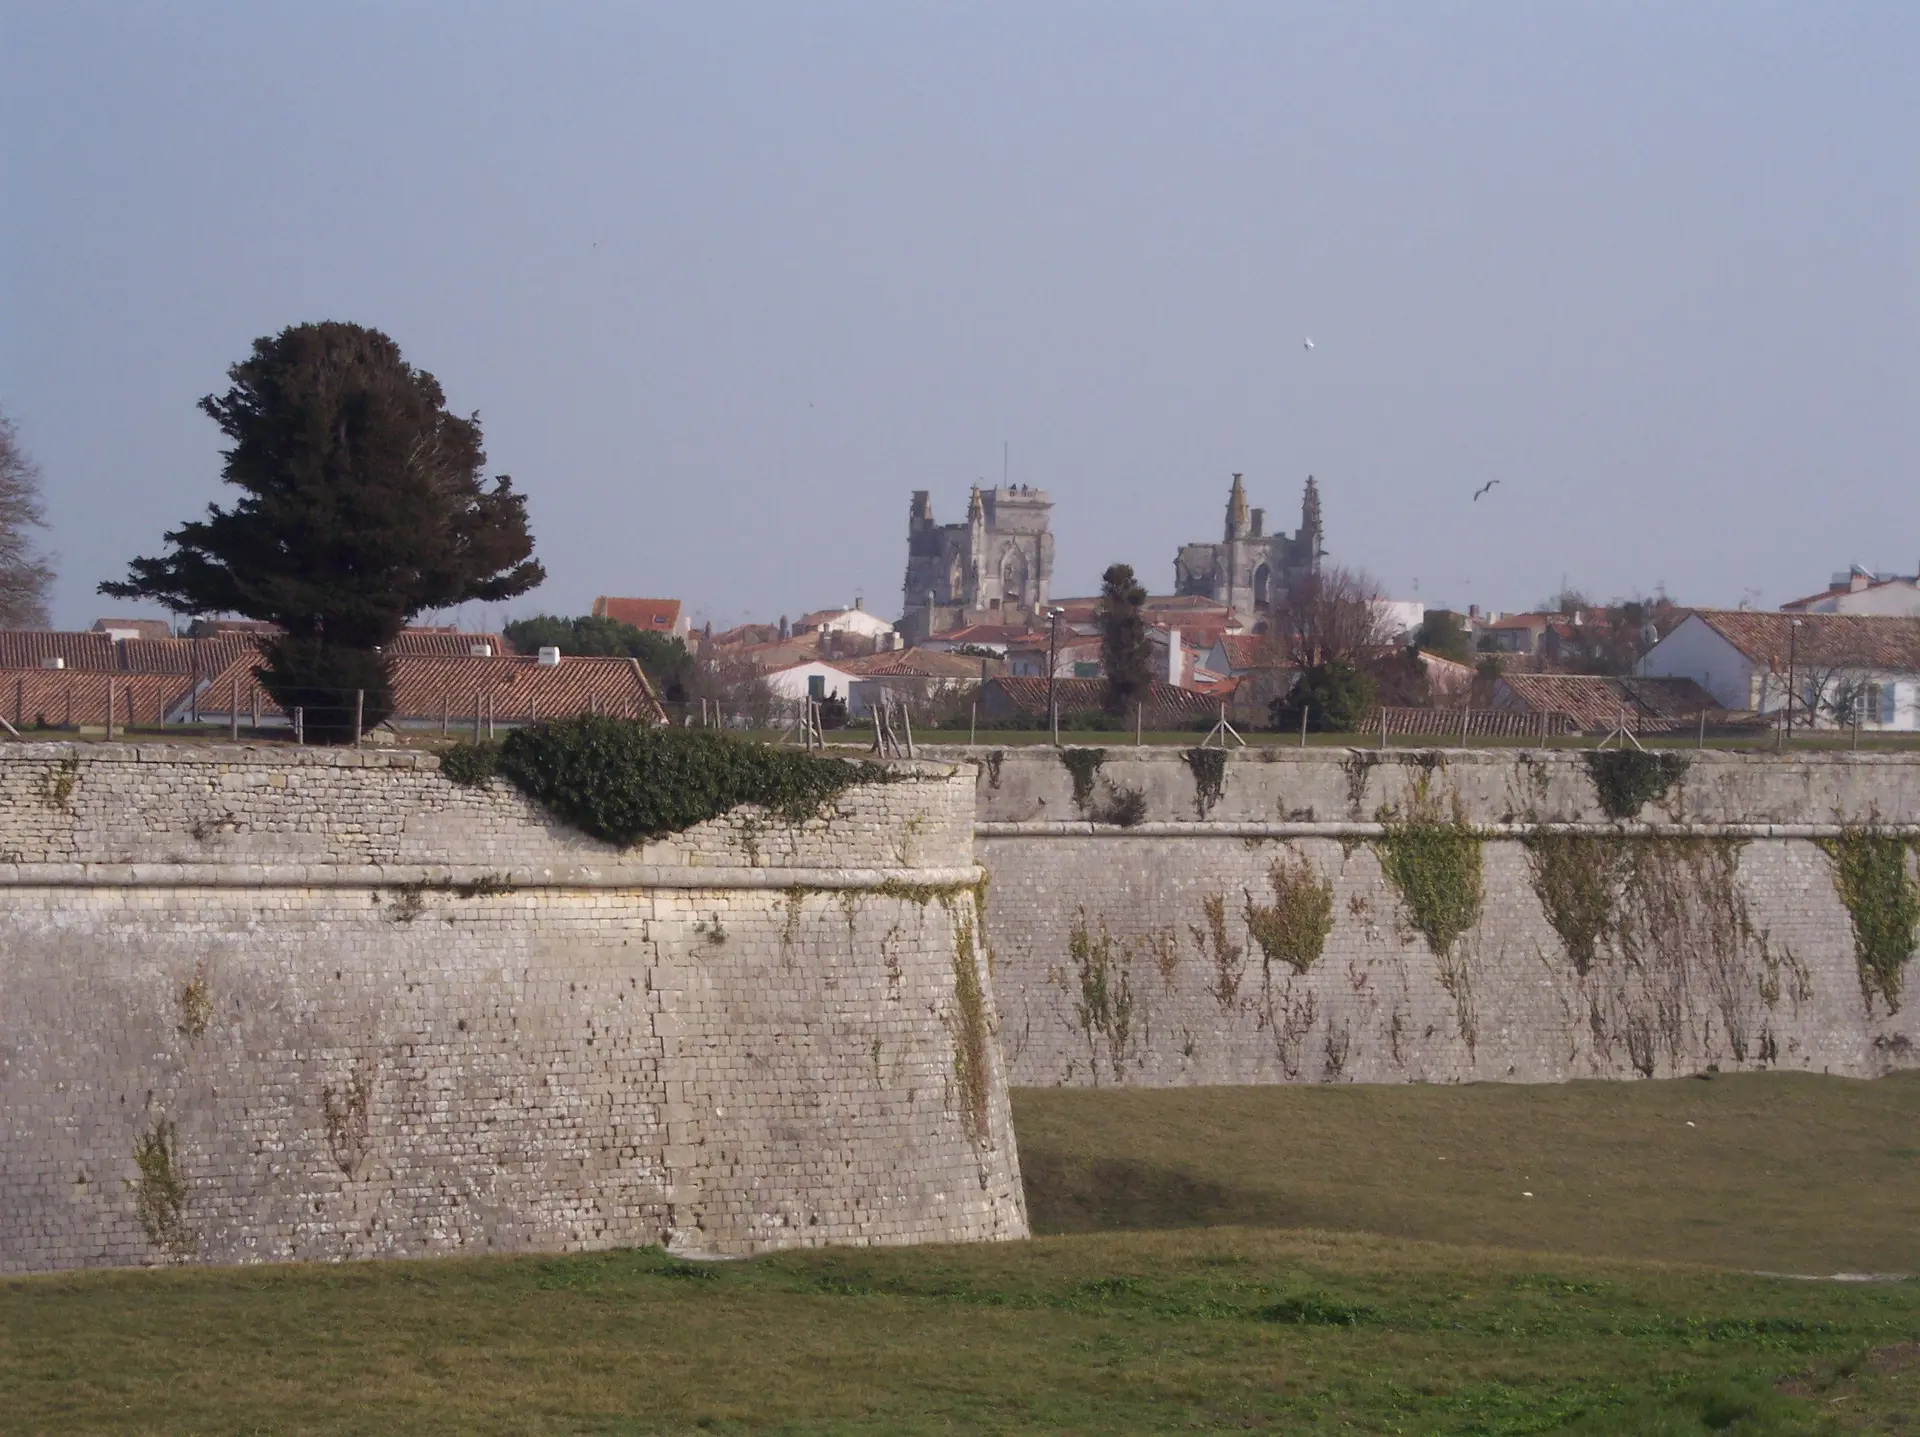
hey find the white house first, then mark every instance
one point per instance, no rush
(844, 621)
(1838, 666)
(1860, 592)
(812, 679)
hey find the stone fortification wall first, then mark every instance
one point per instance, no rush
(274, 1004)
(1311, 921)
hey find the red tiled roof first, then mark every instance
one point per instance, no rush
(917, 663)
(139, 628)
(1028, 695)
(510, 689)
(990, 634)
(29, 648)
(204, 657)
(66, 697)
(444, 644)
(747, 634)
(1868, 641)
(656, 616)
(1596, 701)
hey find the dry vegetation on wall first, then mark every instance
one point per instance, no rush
(1883, 903)
(1434, 864)
(1103, 967)
(972, 1056)
(625, 782)
(1667, 923)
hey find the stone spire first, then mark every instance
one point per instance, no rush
(1310, 514)
(1237, 520)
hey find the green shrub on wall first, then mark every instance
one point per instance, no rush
(1293, 929)
(624, 781)
(1870, 871)
(1627, 779)
(1435, 865)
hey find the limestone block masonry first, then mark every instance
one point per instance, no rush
(1708, 932)
(264, 1004)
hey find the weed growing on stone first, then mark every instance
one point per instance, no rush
(1870, 872)
(196, 1005)
(57, 784)
(1293, 928)
(160, 1192)
(1105, 1006)
(971, 1057)
(470, 764)
(1229, 959)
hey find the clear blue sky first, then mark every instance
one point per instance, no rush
(727, 282)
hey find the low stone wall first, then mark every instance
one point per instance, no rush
(274, 1004)
(1709, 931)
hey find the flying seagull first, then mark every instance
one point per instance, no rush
(1309, 343)
(1483, 489)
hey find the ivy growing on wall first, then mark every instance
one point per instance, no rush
(1209, 767)
(1084, 765)
(624, 781)
(1627, 779)
(1435, 866)
(1578, 878)
(1870, 872)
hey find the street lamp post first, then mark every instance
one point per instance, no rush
(1053, 666)
(1793, 636)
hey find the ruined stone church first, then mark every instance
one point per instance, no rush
(993, 568)
(1250, 569)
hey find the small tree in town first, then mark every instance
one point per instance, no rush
(25, 575)
(1125, 654)
(362, 506)
(1335, 696)
(668, 665)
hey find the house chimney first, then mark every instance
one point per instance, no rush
(1176, 655)
(549, 658)
(1259, 524)
(53, 661)
(479, 651)
(859, 601)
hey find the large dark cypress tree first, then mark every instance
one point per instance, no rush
(363, 506)
(1124, 651)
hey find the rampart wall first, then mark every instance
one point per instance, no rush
(279, 1004)
(1708, 932)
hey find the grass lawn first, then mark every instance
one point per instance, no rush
(1187, 1328)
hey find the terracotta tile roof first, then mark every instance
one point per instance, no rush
(29, 648)
(1866, 641)
(1597, 701)
(1028, 695)
(1252, 651)
(990, 634)
(918, 663)
(513, 689)
(656, 616)
(204, 657)
(746, 634)
(67, 697)
(445, 644)
(137, 628)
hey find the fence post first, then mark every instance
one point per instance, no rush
(254, 693)
(1383, 725)
(299, 724)
(233, 713)
(359, 714)
(1138, 711)
(1303, 728)
(1703, 731)
(446, 713)
(973, 714)
(1466, 716)
(19, 702)
(109, 710)
(476, 716)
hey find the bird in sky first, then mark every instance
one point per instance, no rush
(1483, 489)
(1309, 342)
